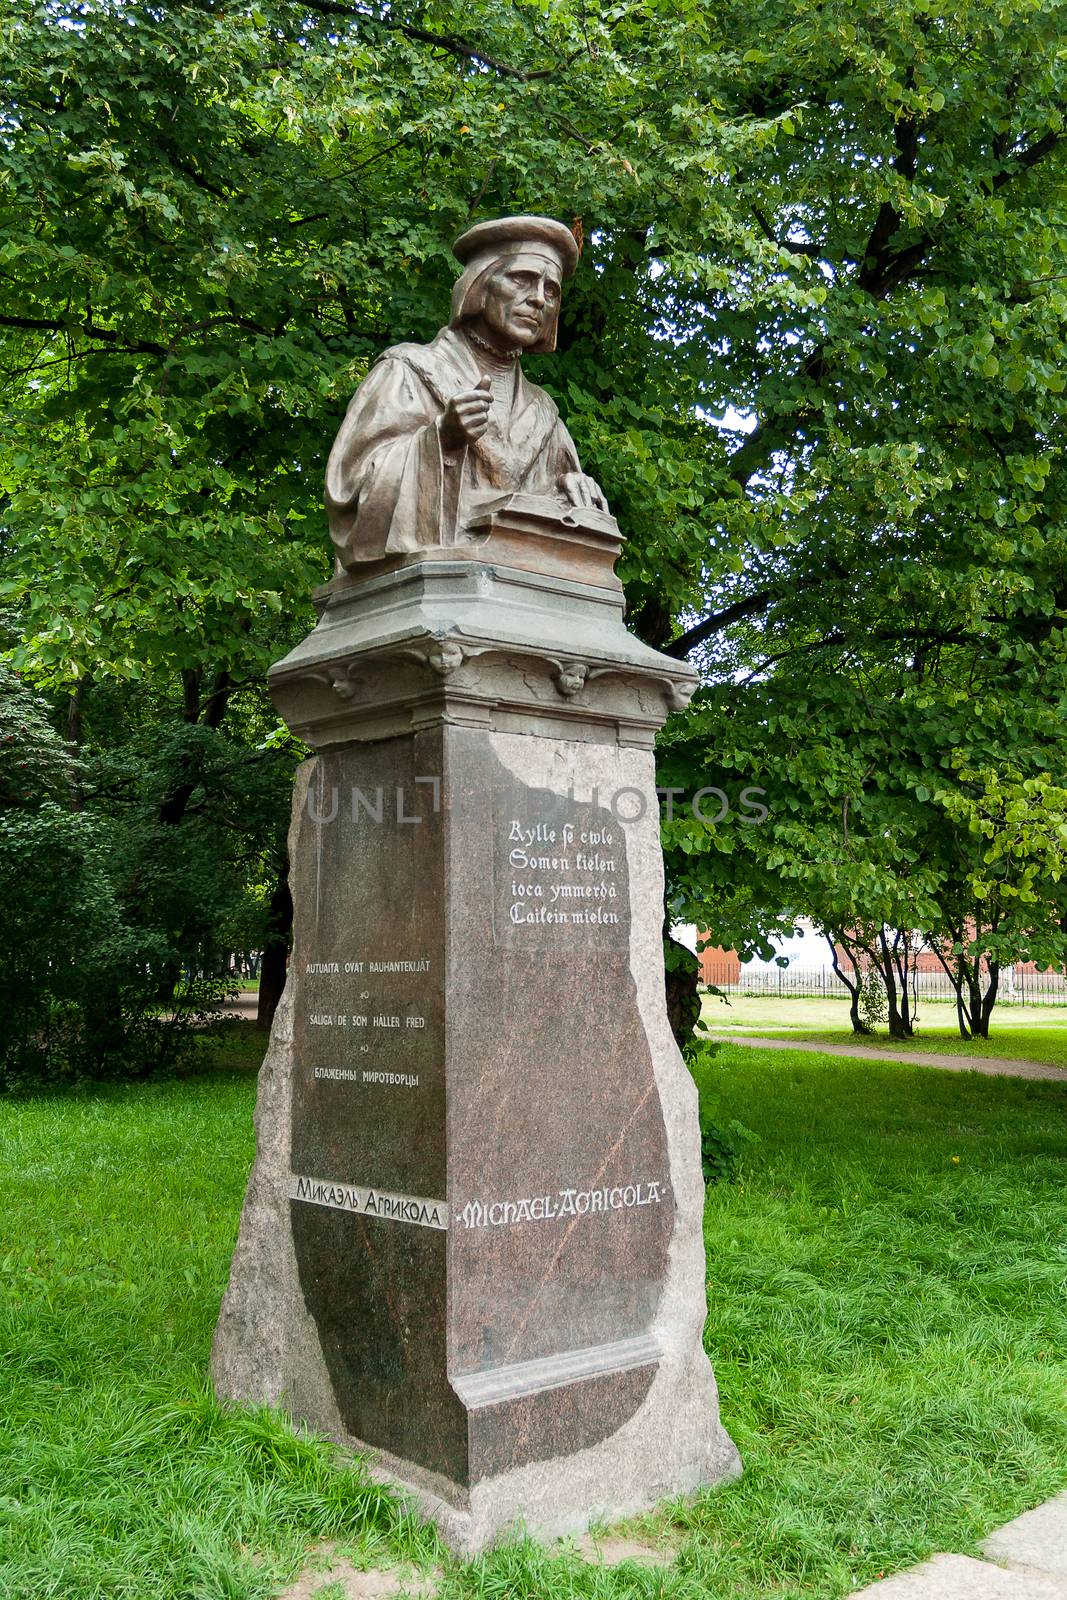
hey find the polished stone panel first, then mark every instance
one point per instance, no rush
(481, 1201)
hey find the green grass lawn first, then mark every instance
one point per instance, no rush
(1019, 1044)
(1033, 1033)
(888, 1324)
(748, 1013)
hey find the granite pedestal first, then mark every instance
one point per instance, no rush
(471, 1244)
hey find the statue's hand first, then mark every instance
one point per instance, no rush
(583, 491)
(466, 416)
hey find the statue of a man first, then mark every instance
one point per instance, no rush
(434, 429)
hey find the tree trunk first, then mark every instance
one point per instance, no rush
(900, 954)
(855, 989)
(683, 995)
(907, 1027)
(963, 1016)
(974, 999)
(75, 800)
(989, 1000)
(892, 962)
(275, 949)
(210, 713)
(885, 966)
(957, 976)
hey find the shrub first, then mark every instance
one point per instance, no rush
(101, 914)
(61, 931)
(874, 1002)
(722, 1143)
(79, 985)
(723, 1146)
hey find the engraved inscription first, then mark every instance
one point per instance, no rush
(403, 1080)
(370, 1202)
(560, 870)
(564, 1203)
(554, 885)
(383, 1019)
(328, 968)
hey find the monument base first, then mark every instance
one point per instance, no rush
(267, 1351)
(472, 1245)
(268, 1348)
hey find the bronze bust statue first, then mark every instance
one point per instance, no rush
(435, 431)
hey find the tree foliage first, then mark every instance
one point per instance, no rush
(813, 351)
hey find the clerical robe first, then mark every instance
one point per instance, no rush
(392, 488)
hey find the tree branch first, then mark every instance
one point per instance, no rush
(108, 335)
(778, 430)
(884, 270)
(41, 324)
(754, 606)
(1023, 160)
(831, 641)
(454, 44)
(191, 173)
(796, 247)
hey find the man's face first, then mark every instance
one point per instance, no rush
(520, 297)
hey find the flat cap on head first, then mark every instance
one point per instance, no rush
(511, 233)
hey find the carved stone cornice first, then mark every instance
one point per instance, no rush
(430, 639)
(394, 689)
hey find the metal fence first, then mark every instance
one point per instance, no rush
(1017, 986)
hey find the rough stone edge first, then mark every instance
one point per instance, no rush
(266, 1347)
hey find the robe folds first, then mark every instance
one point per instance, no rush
(391, 488)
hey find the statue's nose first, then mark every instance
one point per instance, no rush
(537, 296)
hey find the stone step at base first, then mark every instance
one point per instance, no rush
(1036, 1539)
(962, 1578)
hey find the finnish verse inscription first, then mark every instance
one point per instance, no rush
(560, 873)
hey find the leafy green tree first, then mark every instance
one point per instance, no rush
(909, 799)
(72, 971)
(1006, 900)
(35, 765)
(813, 352)
(119, 924)
(898, 619)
